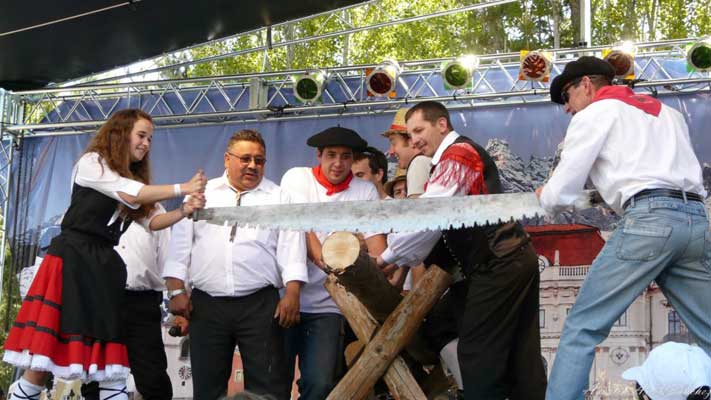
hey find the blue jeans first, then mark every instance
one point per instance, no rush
(318, 341)
(660, 239)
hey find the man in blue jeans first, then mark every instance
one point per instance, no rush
(318, 339)
(637, 153)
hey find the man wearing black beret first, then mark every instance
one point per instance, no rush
(637, 153)
(318, 338)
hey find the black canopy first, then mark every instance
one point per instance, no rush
(119, 36)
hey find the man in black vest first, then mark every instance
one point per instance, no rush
(499, 338)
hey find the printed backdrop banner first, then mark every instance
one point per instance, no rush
(523, 138)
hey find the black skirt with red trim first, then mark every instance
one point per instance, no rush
(39, 340)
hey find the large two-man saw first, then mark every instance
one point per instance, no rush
(407, 215)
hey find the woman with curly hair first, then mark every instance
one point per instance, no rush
(70, 321)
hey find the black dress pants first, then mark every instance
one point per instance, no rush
(218, 324)
(141, 317)
(499, 338)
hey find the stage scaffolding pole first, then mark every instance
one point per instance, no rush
(586, 22)
(8, 114)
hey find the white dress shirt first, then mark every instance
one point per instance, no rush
(624, 151)
(412, 248)
(144, 251)
(418, 173)
(254, 259)
(301, 181)
(94, 173)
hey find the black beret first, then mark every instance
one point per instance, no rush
(337, 136)
(585, 65)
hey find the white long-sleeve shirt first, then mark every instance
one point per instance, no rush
(93, 172)
(256, 258)
(418, 173)
(144, 251)
(413, 247)
(624, 151)
(301, 181)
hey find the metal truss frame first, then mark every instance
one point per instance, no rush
(269, 96)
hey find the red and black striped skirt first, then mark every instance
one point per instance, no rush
(37, 342)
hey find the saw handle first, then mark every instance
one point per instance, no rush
(596, 198)
(196, 215)
(588, 199)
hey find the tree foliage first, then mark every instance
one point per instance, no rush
(527, 24)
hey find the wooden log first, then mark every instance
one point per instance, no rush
(398, 377)
(358, 273)
(391, 338)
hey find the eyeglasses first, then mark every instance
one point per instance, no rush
(564, 93)
(245, 159)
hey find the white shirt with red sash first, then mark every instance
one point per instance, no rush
(302, 182)
(626, 143)
(458, 171)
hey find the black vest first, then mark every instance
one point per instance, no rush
(470, 249)
(88, 214)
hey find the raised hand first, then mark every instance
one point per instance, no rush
(196, 183)
(196, 201)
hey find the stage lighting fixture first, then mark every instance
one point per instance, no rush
(535, 66)
(308, 87)
(622, 59)
(457, 74)
(382, 79)
(699, 55)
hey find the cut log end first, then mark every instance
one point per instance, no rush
(340, 250)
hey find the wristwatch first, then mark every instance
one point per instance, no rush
(173, 293)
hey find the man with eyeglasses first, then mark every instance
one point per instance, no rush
(318, 338)
(236, 274)
(638, 155)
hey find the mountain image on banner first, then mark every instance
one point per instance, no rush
(519, 176)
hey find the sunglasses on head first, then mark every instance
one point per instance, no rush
(564, 93)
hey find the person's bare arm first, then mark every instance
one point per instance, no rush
(154, 193)
(313, 249)
(165, 220)
(180, 304)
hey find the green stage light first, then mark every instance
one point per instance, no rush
(457, 74)
(699, 55)
(381, 80)
(309, 87)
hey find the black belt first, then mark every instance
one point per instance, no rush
(677, 194)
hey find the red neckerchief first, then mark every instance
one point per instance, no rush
(331, 189)
(648, 104)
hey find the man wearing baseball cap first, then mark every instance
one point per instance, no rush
(673, 371)
(637, 153)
